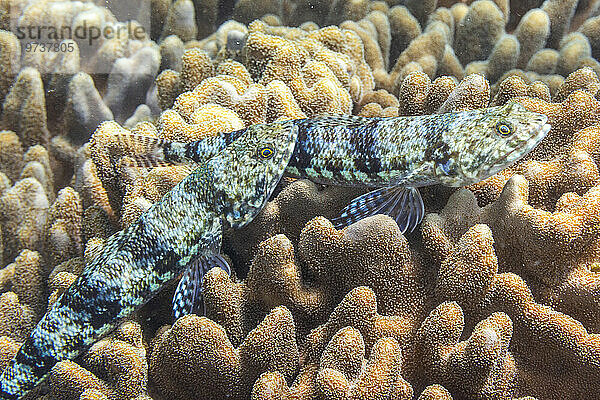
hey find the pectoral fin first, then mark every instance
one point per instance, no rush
(404, 204)
(188, 298)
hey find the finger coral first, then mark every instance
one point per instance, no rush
(545, 331)
(23, 210)
(323, 85)
(24, 109)
(532, 32)
(84, 109)
(63, 227)
(478, 367)
(224, 371)
(83, 77)
(17, 319)
(276, 267)
(478, 31)
(180, 20)
(130, 79)
(10, 61)
(115, 367)
(11, 155)
(496, 297)
(28, 280)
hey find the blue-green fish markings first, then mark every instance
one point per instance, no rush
(395, 155)
(227, 190)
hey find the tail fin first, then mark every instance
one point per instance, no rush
(150, 151)
(144, 151)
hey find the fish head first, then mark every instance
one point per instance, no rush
(490, 140)
(247, 171)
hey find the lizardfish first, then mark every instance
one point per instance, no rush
(396, 155)
(183, 229)
(393, 155)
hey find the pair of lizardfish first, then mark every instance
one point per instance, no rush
(235, 175)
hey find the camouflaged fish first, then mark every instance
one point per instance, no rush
(182, 231)
(393, 155)
(396, 155)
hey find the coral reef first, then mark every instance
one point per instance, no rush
(63, 228)
(114, 367)
(130, 80)
(84, 109)
(548, 334)
(471, 294)
(81, 85)
(23, 210)
(230, 371)
(17, 319)
(496, 297)
(27, 280)
(485, 37)
(24, 109)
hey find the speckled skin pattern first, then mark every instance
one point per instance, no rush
(454, 149)
(134, 264)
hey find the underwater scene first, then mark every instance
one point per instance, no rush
(299, 199)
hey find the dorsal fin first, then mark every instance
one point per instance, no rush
(335, 121)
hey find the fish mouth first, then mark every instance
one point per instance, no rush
(542, 128)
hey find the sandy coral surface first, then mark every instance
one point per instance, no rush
(495, 296)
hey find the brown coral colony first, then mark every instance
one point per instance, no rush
(495, 296)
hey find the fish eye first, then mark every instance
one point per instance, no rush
(266, 152)
(504, 128)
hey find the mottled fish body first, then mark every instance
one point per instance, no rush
(454, 149)
(396, 155)
(182, 232)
